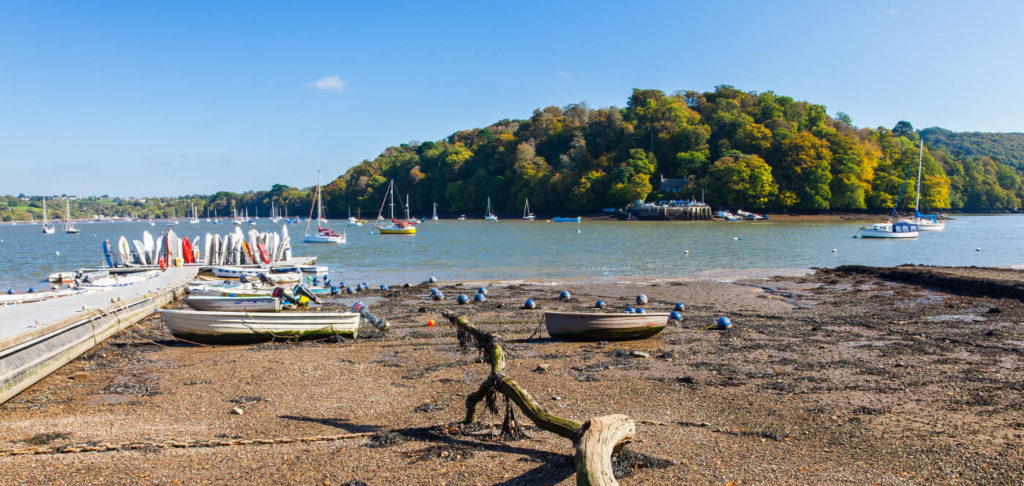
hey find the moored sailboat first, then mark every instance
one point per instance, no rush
(392, 226)
(323, 233)
(47, 227)
(69, 226)
(527, 214)
(489, 215)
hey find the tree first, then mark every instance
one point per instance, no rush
(902, 128)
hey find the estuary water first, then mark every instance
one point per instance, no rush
(516, 250)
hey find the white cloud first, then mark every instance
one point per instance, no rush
(563, 74)
(329, 83)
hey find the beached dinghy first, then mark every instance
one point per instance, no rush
(236, 304)
(596, 326)
(246, 327)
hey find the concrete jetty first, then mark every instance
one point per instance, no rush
(38, 338)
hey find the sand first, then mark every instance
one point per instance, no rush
(828, 378)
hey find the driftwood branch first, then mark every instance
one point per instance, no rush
(595, 441)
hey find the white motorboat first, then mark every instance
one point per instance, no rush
(247, 327)
(899, 229)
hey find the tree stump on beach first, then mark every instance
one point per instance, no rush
(595, 441)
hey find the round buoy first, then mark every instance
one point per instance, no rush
(58, 253)
(724, 322)
(482, 290)
(365, 285)
(565, 296)
(686, 252)
(529, 304)
(835, 250)
(977, 249)
(350, 290)
(462, 299)
(737, 238)
(639, 310)
(676, 316)
(437, 295)
(641, 299)
(630, 309)
(578, 231)
(327, 281)
(433, 290)
(600, 304)
(335, 290)
(679, 307)
(316, 281)
(479, 297)
(31, 289)
(432, 279)
(341, 284)
(431, 323)
(383, 287)
(10, 291)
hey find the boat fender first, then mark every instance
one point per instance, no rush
(462, 299)
(565, 296)
(479, 298)
(163, 263)
(600, 304)
(31, 289)
(335, 290)
(679, 307)
(639, 310)
(438, 295)
(675, 316)
(630, 310)
(316, 281)
(10, 291)
(482, 290)
(529, 304)
(641, 299)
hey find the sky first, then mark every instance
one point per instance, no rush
(172, 98)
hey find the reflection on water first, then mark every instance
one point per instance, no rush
(477, 250)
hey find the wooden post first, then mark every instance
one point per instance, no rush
(595, 441)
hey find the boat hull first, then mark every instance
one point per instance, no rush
(592, 326)
(233, 304)
(246, 327)
(324, 239)
(397, 231)
(567, 220)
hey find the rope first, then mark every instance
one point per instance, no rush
(169, 444)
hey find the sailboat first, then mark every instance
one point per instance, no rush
(527, 214)
(900, 229)
(407, 218)
(47, 227)
(490, 216)
(925, 222)
(434, 217)
(274, 218)
(69, 226)
(351, 220)
(323, 233)
(173, 220)
(392, 226)
(195, 216)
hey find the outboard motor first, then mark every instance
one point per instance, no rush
(265, 279)
(364, 311)
(301, 289)
(283, 294)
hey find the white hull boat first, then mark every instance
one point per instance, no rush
(900, 229)
(246, 327)
(233, 304)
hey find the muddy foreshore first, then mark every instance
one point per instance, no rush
(839, 377)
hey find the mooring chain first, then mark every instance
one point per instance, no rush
(172, 444)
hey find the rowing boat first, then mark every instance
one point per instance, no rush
(249, 327)
(596, 326)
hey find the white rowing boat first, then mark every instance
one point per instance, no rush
(234, 304)
(248, 327)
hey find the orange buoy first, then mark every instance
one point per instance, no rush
(431, 323)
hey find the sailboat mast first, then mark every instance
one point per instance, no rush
(920, 156)
(317, 196)
(407, 207)
(391, 196)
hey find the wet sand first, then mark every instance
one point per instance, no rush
(829, 378)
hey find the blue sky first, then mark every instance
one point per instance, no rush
(148, 98)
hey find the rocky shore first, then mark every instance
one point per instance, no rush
(845, 376)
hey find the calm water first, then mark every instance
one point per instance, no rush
(476, 250)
